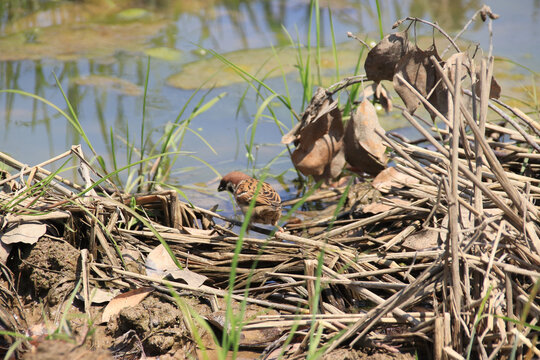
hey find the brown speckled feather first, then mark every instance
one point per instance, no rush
(246, 189)
(267, 209)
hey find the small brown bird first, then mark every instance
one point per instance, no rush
(267, 208)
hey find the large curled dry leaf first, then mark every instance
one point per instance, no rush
(319, 105)
(319, 142)
(382, 59)
(364, 149)
(417, 69)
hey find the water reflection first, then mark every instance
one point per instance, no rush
(78, 39)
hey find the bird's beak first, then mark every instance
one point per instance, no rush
(222, 186)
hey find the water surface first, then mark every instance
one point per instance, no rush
(99, 51)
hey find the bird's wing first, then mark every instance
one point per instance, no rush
(267, 195)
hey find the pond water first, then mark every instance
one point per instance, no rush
(99, 50)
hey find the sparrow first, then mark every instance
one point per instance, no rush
(267, 208)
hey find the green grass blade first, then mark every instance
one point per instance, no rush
(379, 18)
(143, 121)
(260, 110)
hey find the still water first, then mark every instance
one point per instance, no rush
(100, 49)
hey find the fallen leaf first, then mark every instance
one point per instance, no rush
(494, 89)
(381, 61)
(379, 207)
(99, 296)
(423, 239)
(189, 277)
(159, 263)
(364, 149)
(380, 94)
(5, 250)
(130, 298)
(26, 232)
(417, 69)
(319, 106)
(392, 178)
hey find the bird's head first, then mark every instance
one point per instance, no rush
(231, 180)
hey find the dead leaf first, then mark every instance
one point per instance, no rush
(494, 89)
(380, 94)
(159, 263)
(5, 250)
(379, 207)
(486, 12)
(319, 105)
(26, 232)
(99, 296)
(364, 149)
(189, 277)
(423, 239)
(381, 61)
(319, 142)
(416, 68)
(392, 178)
(130, 298)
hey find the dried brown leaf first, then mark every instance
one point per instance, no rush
(423, 239)
(159, 263)
(189, 277)
(5, 250)
(318, 144)
(364, 149)
(379, 207)
(320, 104)
(380, 94)
(392, 178)
(27, 233)
(381, 61)
(130, 298)
(494, 89)
(417, 69)
(486, 12)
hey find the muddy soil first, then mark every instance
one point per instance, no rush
(45, 276)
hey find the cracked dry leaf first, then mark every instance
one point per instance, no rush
(318, 144)
(364, 149)
(381, 61)
(416, 68)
